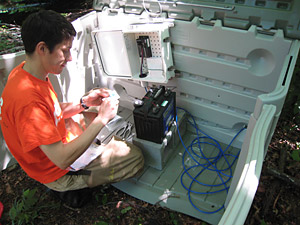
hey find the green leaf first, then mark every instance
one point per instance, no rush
(20, 206)
(296, 155)
(26, 193)
(104, 199)
(125, 210)
(25, 210)
(27, 218)
(172, 216)
(263, 222)
(12, 213)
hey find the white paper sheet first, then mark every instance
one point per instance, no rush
(88, 156)
(94, 150)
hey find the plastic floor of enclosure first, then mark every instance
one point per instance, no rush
(205, 188)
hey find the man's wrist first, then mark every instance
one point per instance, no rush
(100, 121)
(83, 105)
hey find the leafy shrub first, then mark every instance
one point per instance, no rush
(27, 209)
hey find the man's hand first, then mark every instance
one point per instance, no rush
(108, 110)
(95, 96)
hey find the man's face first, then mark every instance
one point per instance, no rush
(57, 60)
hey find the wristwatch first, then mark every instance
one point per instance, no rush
(83, 105)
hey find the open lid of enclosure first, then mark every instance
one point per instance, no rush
(266, 14)
(131, 47)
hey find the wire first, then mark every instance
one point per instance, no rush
(142, 75)
(153, 14)
(208, 163)
(142, 59)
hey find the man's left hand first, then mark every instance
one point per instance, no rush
(94, 97)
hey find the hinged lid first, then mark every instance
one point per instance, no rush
(131, 48)
(267, 14)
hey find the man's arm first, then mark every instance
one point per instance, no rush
(70, 109)
(63, 155)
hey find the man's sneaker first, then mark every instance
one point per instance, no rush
(75, 198)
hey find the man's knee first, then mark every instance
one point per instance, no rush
(136, 153)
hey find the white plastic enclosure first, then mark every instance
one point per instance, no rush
(227, 78)
(231, 70)
(7, 63)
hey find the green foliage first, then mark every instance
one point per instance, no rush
(101, 197)
(17, 6)
(23, 211)
(10, 39)
(296, 155)
(140, 220)
(104, 199)
(263, 222)
(125, 210)
(64, 14)
(101, 223)
(26, 210)
(6, 45)
(291, 109)
(173, 219)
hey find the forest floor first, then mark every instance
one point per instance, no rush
(277, 200)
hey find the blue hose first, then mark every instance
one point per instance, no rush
(209, 164)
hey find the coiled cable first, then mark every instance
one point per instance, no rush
(195, 151)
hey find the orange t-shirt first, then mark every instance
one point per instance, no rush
(30, 116)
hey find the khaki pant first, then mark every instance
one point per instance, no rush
(119, 160)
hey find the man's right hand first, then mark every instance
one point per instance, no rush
(108, 110)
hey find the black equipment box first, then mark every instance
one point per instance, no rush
(154, 117)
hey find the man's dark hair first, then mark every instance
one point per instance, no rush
(47, 26)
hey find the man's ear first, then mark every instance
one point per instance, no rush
(41, 48)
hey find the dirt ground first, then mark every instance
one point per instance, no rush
(107, 206)
(277, 200)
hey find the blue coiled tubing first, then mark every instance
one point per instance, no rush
(195, 151)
